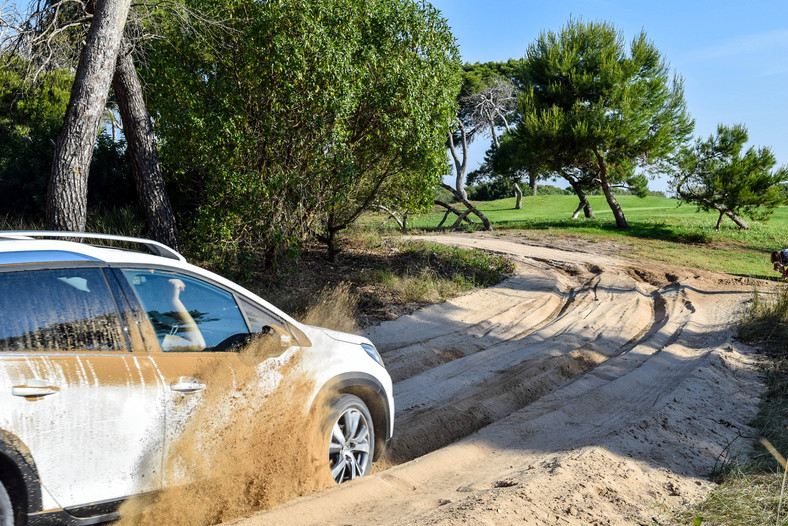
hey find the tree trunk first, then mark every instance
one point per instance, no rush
(68, 183)
(459, 220)
(533, 183)
(576, 213)
(741, 223)
(621, 221)
(330, 238)
(460, 165)
(738, 220)
(470, 207)
(392, 214)
(450, 210)
(141, 143)
(518, 194)
(332, 247)
(584, 205)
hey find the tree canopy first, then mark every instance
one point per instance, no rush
(592, 105)
(301, 115)
(717, 174)
(30, 118)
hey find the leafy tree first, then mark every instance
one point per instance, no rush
(591, 105)
(485, 101)
(717, 174)
(483, 85)
(490, 190)
(301, 116)
(30, 118)
(513, 158)
(31, 114)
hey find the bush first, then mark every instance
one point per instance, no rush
(490, 191)
(547, 189)
(30, 120)
(303, 115)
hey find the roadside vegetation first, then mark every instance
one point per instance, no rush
(385, 278)
(753, 492)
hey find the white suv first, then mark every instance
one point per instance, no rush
(98, 348)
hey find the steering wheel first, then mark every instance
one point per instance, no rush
(232, 343)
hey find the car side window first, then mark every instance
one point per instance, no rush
(259, 318)
(58, 310)
(188, 314)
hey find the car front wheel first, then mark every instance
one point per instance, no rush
(351, 443)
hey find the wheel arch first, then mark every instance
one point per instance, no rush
(372, 393)
(19, 475)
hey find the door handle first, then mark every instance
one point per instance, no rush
(187, 385)
(34, 389)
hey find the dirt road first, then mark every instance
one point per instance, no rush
(585, 389)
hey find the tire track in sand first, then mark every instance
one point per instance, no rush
(569, 360)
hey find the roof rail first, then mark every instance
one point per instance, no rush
(155, 248)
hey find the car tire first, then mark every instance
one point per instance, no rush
(6, 509)
(351, 438)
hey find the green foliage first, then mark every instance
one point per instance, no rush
(491, 190)
(744, 499)
(30, 118)
(429, 272)
(478, 267)
(486, 103)
(477, 76)
(765, 322)
(503, 162)
(444, 195)
(597, 109)
(717, 174)
(547, 189)
(111, 184)
(301, 116)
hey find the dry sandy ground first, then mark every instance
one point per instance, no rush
(585, 389)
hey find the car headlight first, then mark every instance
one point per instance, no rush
(372, 352)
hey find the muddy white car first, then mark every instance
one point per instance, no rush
(98, 351)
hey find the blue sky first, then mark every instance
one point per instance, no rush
(733, 55)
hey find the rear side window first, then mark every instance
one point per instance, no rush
(58, 310)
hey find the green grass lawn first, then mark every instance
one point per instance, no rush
(660, 230)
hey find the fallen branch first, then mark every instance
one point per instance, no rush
(451, 210)
(470, 210)
(392, 214)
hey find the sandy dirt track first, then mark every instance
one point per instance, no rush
(585, 389)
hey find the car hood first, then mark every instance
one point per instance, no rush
(340, 336)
